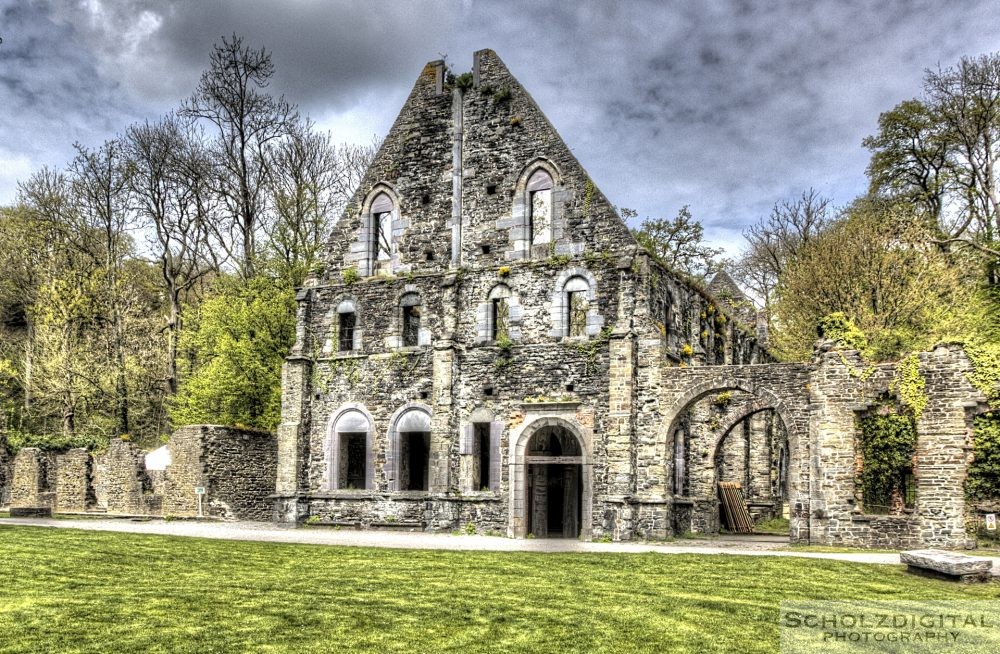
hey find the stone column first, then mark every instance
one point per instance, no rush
(618, 437)
(442, 432)
(293, 439)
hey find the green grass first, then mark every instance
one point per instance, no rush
(71, 590)
(777, 526)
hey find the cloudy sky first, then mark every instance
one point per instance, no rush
(727, 106)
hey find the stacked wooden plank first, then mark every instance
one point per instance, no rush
(737, 515)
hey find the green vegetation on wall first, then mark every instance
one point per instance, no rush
(983, 482)
(888, 441)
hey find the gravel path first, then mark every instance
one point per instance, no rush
(268, 532)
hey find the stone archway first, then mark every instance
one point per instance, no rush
(748, 451)
(551, 481)
(781, 389)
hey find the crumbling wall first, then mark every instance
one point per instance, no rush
(125, 479)
(844, 387)
(73, 481)
(236, 468)
(33, 479)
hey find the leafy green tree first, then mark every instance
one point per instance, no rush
(874, 266)
(678, 243)
(235, 343)
(942, 152)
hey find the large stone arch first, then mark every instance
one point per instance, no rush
(782, 388)
(393, 460)
(518, 521)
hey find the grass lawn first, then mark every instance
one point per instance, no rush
(77, 591)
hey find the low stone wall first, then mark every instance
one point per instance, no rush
(369, 510)
(125, 479)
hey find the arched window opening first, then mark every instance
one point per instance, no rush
(413, 431)
(540, 207)
(577, 305)
(346, 326)
(411, 319)
(351, 451)
(381, 230)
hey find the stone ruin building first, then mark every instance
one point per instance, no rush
(488, 346)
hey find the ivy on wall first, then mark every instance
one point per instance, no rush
(888, 441)
(983, 482)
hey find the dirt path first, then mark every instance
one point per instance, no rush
(267, 532)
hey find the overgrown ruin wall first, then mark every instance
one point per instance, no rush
(236, 467)
(843, 387)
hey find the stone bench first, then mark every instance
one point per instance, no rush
(948, 565)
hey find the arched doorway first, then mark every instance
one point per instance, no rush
(551, 486)
(555, 484)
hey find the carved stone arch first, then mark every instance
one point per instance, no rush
(366, 243)
(747, 412)
(700, 390)
(332, 448)
(392, 455)
(520, 222)
(559, 306)
(485, 318)
(518, 468)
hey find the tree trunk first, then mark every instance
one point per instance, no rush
(29, 363)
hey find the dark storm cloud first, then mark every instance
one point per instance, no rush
(727, 106)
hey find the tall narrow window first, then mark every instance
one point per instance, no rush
(499, 313)
(501, 318)
(381, 230)
(411, 320)
(540, 207)
(346, 326)
(576, 290)
(346, 340)
(482, 454)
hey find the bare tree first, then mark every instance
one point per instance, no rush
(171, 182)
(101, 186)
(774, 241)
(310, 184)
(248, 122)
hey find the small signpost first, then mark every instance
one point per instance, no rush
(200, 492)
(991, 521)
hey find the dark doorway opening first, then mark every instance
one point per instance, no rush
(555, 485)
(415, 454)
(352, 458)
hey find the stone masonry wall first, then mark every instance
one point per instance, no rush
(125, 479)
(73, 481)
(32, 479)
(843, 388)
(236, 468)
